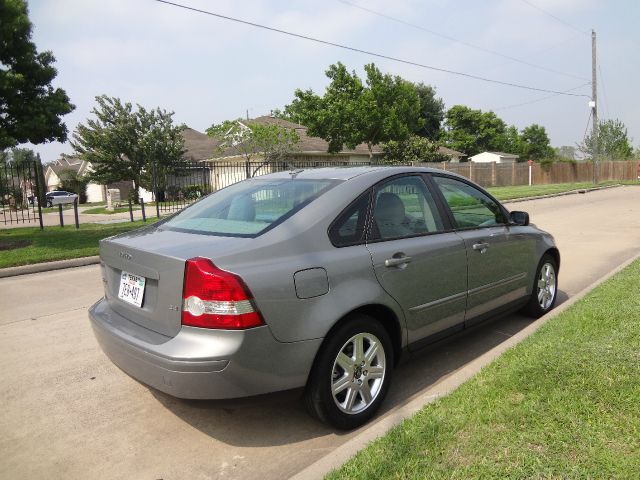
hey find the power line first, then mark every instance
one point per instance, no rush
(567, 24)
(539, 52)
(461, 42)
(367, 52)
(540, 99)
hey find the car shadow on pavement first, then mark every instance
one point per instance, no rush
(280, 418)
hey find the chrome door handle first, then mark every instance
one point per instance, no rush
(397, 261)
(481, 246)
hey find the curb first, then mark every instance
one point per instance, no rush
(47, 266)
(338, 457)
(562, 194)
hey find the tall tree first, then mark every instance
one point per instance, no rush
(612, 142)
(415, 149)
(535, 143)
(431, 111)
(252, 140)
(473, 131)
(126, 144)
(566, 152)
(384, 108)
(30, 107)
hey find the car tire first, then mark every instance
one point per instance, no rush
(351, 374)
(545, 288)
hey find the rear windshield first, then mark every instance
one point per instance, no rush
(248, 208)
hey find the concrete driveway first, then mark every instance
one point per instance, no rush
(67, 412)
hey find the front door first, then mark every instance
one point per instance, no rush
(415, 260)
(498, 259)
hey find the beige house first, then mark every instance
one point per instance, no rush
(54, 173)
(498, 157)
(309, 148)
(454, 155)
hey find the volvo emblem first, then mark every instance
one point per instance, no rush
(125, 255)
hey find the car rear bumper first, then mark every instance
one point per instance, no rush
(200, 363)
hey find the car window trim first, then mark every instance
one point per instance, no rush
(505, 212)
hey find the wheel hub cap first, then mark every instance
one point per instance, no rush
(358, 373)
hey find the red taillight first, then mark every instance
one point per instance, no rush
(214, 298)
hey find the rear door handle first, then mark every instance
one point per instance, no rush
(398, 260)
(482, 247)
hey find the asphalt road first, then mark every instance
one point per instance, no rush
(67, 412)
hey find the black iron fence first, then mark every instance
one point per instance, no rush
(181, 188)
(22, 193)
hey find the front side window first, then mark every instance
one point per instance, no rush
(248, 208)
(470, 207)
(404, 207)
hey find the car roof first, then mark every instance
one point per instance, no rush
(347, 173)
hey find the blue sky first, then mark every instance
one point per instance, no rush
(207, 70)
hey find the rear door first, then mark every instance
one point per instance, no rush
(498, 258)
(416, 258)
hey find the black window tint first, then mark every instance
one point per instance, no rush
(404, 208)
(349, 227)
(471, 208)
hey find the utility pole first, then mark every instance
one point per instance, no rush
(594, 107)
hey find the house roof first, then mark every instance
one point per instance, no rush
(308, 144)
(503, 154)
(451, 152)
(67, 163)
(198, 146)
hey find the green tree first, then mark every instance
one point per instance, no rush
(565, 152)
(415, 149)
(271, 142)
(351, 112)
(535, 143)
(72, 181)
(30, 108)
(473, 131)
(612, 142)
(431, 111)
(513, 143)
(131, 145)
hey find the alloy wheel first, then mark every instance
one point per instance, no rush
(546, 286)
(358, 373)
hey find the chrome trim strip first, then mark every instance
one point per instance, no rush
(438, 302)
(499, 283)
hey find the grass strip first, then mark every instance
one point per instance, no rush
(564, 403)
(24, 246)
(525, 191)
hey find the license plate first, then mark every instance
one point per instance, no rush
(131, 288)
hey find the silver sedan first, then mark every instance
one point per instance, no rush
(321, 279)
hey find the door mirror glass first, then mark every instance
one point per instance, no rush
(520, 218)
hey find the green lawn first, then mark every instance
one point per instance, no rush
(23, 246)
(524, 191)
(104, 211)
(564, 403)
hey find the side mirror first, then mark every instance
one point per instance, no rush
(519, 218)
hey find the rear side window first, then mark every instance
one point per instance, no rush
(470, 207)
(248, 208)
(349, 228)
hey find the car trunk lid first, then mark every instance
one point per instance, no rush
(159, 256)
